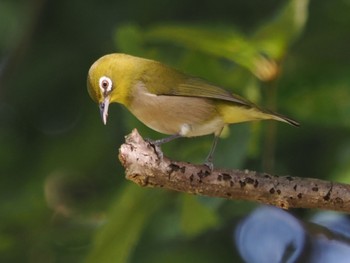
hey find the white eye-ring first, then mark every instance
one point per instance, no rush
(105, 84)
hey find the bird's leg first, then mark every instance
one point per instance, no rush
(209, 160)
(157, 143)
(165, 140)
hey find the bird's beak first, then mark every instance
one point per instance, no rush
(104, 109)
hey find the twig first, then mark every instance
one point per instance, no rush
(146, 166)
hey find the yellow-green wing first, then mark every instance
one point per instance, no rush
(163, 80)
(196, 87)
(179, 84)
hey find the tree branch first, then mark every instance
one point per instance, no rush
(146, 166)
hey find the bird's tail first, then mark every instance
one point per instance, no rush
(235, 114)
(280, 117)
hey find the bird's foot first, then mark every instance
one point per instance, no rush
(155, 144)
(209, 163)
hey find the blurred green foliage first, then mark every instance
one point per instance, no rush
(64, 196)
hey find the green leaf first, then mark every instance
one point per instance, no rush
(327, 104)
(129, 216)
(221, 42)
(257, 54)
(128, 38)
(196, 216)
(275, 37)
(12, 21)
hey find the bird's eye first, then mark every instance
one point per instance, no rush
(105, 85)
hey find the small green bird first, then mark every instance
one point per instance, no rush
(169, 101)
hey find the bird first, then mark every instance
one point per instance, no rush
(169, 101)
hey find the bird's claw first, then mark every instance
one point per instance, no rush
(209, 164)
(156, 146)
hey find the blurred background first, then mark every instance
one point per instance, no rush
(63, 194)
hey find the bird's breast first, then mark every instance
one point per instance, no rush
(187, 116)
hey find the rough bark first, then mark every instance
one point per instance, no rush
(145, 165)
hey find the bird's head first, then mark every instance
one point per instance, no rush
(109, 80)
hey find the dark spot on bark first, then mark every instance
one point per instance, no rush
(281, 205)
(327, 196)
(256, 183)
(202, 173)
(231, 183)
(228, 194)
(242, 183)
(289, 178)
(191, 177)
(300, 195)
(183, 169)
(338, 201)
(295, 187)
(272, 190)
(267, 176)
(278, 191)
(226, 177)
(249, 180)
(174, 167)
(219, 177)
(315, 188)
